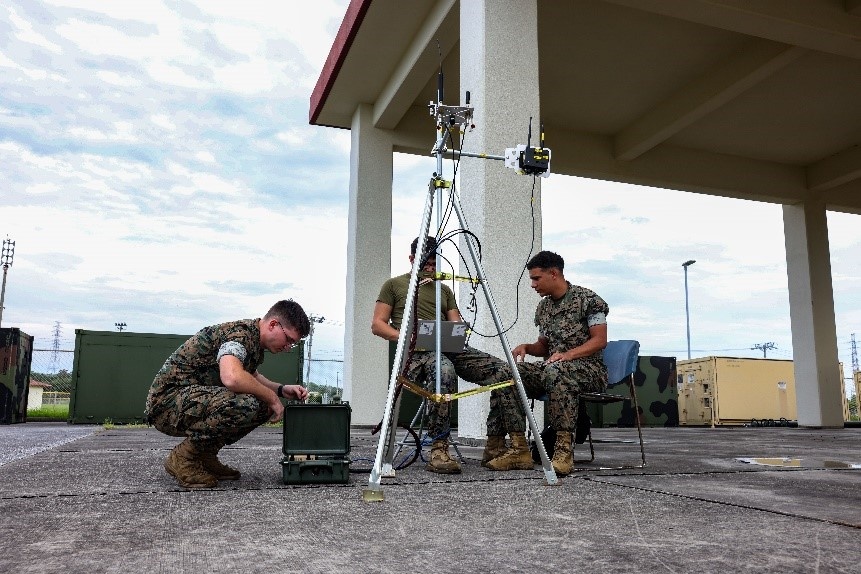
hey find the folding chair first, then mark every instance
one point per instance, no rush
(621, 359)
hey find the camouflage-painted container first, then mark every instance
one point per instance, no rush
(16, 357)
(657, 396)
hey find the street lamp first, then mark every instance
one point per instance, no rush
(687, 264)
(6, 256)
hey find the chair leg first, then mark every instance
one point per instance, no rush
(637, 419)
(418, 417)
(591, 448)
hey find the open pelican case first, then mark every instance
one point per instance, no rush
(316, 447)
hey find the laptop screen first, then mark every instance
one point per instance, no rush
(452, 336)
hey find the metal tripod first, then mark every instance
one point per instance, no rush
(386, 445)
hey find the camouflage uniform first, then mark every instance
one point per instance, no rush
(471, 365)
(187, 397)
(565, 324)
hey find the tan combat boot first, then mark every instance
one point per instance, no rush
(440, 462)
(563, 460)
(185, 465)
(211, 464)
(518, 457)
(493, 447)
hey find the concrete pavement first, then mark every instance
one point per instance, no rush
(85, 499)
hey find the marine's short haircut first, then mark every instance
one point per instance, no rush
(290, 312)
(546, 260)
(430, 245)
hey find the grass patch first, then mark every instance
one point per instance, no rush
(109, 424)
(49, 413)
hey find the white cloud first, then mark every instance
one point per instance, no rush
(163, 121)
(25, 33)
(110, 77)
(205, 157)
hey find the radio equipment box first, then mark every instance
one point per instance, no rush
(316, 445)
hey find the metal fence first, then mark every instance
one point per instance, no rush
(53, 367)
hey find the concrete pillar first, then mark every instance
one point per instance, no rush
(499, 67)
(811, 307)
(369, 221)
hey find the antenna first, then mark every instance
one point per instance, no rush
(527, 159)
(529, 134)
(439, 78)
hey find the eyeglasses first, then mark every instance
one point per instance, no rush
(291, 342)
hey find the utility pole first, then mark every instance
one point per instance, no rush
(120, 326)
(763, 347)
(6, 257)
(312, 319)
(855, 368)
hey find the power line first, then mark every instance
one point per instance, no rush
(764, 347)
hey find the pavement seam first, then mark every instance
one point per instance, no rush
(721, 502)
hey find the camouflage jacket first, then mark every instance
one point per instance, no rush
(195, 362)
(564, 322)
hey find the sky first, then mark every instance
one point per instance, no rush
(159, 170)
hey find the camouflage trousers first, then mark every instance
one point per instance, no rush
(210, 417)
(562, 382)
(471, 365)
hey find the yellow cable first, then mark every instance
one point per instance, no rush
(449, 276)
(448, 397)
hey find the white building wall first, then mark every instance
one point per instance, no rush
(499, 66)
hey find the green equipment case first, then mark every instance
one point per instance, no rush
(316, 443)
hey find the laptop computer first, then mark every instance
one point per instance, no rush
(452, 339)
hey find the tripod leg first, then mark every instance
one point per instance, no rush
(373, 493)
(549, 473)
(388, 469)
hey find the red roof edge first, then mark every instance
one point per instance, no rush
(337, 54)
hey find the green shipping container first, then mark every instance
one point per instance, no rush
(657, 396)
(16, 357)
(113, 372)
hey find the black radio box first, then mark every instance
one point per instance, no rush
(316, 448)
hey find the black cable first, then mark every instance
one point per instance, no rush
(523, 271)
(415, 445)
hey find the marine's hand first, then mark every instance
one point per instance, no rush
(296, 392)
(557, 357)
(277, 410)
(519, 353)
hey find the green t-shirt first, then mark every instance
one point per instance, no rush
(394, 293)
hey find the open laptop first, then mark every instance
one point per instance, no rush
(452, 340)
